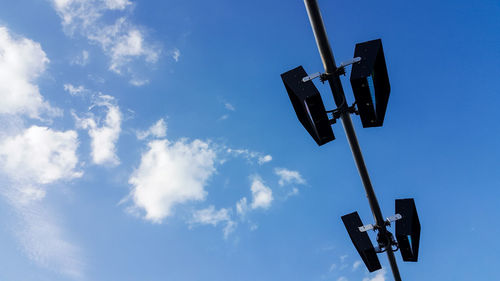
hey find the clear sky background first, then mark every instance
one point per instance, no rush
(154, 140)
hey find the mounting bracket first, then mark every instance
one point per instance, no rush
(339, 71)
(336, 113)
(388, 221)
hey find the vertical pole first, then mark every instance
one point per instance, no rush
(326, 54)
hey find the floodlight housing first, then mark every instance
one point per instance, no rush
(308, 105)
(370, 83)
(361, 241)
(408, 229)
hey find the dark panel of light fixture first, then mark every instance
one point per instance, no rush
(370, 83)
(308, 105)
(407, 229)
(361, 241)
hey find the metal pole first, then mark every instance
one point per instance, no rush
(338, 95)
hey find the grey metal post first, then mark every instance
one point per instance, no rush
(326, 54)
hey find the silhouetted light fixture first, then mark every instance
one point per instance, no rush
(371, 88)
(308, 105)
(361, 241)
(407, 229)
(370, 83)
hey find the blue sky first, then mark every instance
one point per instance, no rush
(154, 140)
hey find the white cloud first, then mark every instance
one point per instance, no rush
(293, 192)
(44, 241)
(104, 134)
(343, 264)
(73, 90)
(265, 159)
(379, 276)
(356, 265)
(40, 155)
(229, 106)
(76, 12)
(342, 278)
(117, 4)
(262, 196)
(171, 174)
(82, 59)
(332, 267)
(250, 155)
(127, 42)
(288, 177)
(138, 82)
(30, 193)
(342, 258)
(32, 159)
(176, 54)
(242, 206)
(210, 216)
(22, 61)
(121, 41)
(229, 228)
(213, 217)
(158, 130)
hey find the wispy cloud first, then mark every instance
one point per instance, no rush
(123, 41)
(138, 82)
(288, 177)
(224, 117)
(343, 264)
(333, 267)
(261, 158)
(343, 258)
(242, 207)
(264, 159)
(176, 54)
(229, 106)
(75, 90)
(104, 134)
(293, 192)
(43, 239)
(31, 160)
(379, 276)
(213, 217)
(81, 59)
(117, 4)
(356, 265)
(158, 130)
